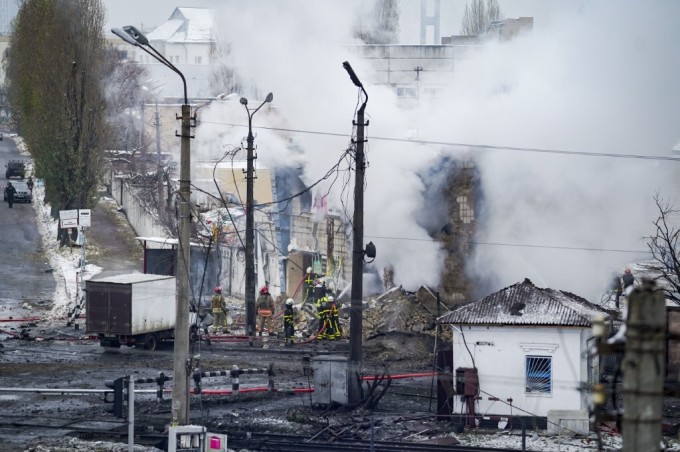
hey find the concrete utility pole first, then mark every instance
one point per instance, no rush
(644, 369)
(181, 365)
(251, 276)
(356, 306)
(159, 165)
(181, 362)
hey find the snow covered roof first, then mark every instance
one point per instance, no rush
(185, 25)
(525, 304)
(132, 278)
(164, 240)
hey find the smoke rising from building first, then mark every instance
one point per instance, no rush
(597, 79)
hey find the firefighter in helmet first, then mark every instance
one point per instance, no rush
(333, 319)
(289, 321)
(265, 310)
(310, 282)
(219, 310)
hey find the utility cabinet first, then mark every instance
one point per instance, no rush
(330, 379)
(467, 381)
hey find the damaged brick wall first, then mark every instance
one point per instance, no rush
(457, 236)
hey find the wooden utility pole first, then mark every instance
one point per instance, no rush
(644, 368)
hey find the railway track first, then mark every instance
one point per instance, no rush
(85, 429)
(293, 443)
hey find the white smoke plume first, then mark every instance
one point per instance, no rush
(598, 78)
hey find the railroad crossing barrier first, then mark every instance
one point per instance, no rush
(120, 385)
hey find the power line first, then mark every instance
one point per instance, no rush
(518, 245)
(468, 145)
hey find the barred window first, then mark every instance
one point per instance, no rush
(539, 374)
(467, 214)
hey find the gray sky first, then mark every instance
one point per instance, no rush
(151, 13)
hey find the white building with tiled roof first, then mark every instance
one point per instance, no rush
(186, 37)
(187, 40)
(519, 352)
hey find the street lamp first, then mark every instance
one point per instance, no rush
(356, 303)
(181, 365)
(250, 222)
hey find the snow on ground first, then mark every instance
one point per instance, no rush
(65, 261)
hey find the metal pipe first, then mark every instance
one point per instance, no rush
(400, 376)
(131, 415)
(72, 391)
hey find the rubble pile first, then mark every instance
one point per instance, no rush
(400, 311)
(398, 325)
(401, 326)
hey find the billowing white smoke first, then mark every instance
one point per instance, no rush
(598, 80)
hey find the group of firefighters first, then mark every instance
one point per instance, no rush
(316, 293)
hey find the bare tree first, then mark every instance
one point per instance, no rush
(663, 245)
(478, 15)
(381, 25)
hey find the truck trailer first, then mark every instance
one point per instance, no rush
(133, 309)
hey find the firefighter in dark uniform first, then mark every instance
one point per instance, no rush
(333, 318)
(310, 282)
(265, 310)
(322, 312)
(289, 321)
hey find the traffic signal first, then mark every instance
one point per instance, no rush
(119, 386)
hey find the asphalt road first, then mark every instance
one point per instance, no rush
(22, 266)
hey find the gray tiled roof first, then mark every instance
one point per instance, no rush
(525, 304)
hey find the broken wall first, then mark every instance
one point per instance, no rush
(462, 194)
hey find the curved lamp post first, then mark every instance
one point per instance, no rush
(181, 365)
(250, 222)
(355, 321)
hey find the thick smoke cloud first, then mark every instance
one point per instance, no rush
(596, 79)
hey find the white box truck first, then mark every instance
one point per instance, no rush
(133, 309)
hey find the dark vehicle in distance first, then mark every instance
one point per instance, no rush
(15, 168)
(22, 194)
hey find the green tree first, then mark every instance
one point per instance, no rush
(56, 67)
(478, 15)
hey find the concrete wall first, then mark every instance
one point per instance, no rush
(499, 354)
(461, 195)
(141, 218)
(186, 53)
(394, 64)
(231, 179)
(309, 233)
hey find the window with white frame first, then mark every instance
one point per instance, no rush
(197, 60)
(538, 370)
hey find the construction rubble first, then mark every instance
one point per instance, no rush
(397, 325)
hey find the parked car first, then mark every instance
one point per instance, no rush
(15, 168)
(23, 193)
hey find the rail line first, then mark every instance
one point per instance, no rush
(252, 441)
(293, 443)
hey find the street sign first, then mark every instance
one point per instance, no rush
(68, 214)
(84, 218)
(69, 223)
(75, 218)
